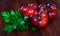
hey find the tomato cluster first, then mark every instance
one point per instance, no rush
(39, 14)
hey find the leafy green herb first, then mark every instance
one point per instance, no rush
(15, 20)
(8, 28)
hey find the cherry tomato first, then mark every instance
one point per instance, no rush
(24, 9)
(34, 20)
(31, 12)
(41, 20)
(44, 19)
(52, 9)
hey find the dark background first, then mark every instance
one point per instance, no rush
(52, 29)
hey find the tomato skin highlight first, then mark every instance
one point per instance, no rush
(51, 15)
(31, 12)
(24, 9)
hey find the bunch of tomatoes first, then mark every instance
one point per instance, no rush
(39, 15)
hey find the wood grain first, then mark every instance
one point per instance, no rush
(52, 29)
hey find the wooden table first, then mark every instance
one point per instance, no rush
(52, 29)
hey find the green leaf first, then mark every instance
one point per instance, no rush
(21, 22)
(8, 14)
(7, 20)
(27, 22)
(14, 26)
(13, 18)
(26, 18)
(34, 28)
(21, 27)
(5, 14)
(12, 12)
(18, 13)
(25, 27)
(8, 28)
(16, 20)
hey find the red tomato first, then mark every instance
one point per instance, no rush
(24, 9)
(34, 20)
(52, 9)
(31, 12)
(44, 19)
(41, 20)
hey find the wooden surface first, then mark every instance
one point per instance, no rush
(52, 29)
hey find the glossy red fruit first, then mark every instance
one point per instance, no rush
(41, 20)
(34, 20)
(44, 19)
(44, 16)
(31, 12)
(52, 9)
(33, 6)
(24, 9)
(42, 7)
